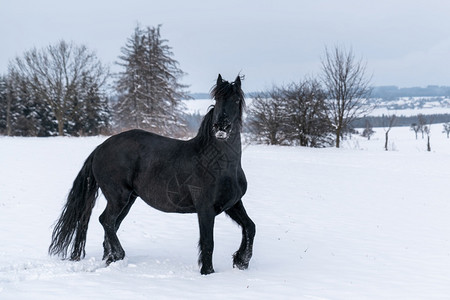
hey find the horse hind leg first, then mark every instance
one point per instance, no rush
(131, 199)
(118, 206)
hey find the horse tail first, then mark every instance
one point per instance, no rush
(71, 228)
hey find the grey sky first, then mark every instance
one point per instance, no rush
(405, 43)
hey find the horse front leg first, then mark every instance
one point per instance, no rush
(242, 256)
(206, 243)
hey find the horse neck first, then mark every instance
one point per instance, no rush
(232, 146)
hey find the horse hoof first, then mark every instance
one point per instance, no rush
(240, 262)
(206, 271)
(240, 265)
(109, 260)
(113, 258)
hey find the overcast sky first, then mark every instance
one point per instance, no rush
(405, 43)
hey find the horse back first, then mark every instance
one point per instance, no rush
(149, 165)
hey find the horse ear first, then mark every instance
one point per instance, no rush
(237, 82)
(219, 79)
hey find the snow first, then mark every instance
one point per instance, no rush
(350, 223)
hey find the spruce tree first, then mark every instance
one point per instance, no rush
(149, 90)
(96, 113)
(29, 115)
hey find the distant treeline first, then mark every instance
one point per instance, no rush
(208, 96)
(390, 92)
(382, 121)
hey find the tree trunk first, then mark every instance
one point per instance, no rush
(338, 138)
(428, 144)
(60, 120)
(386, 141)
(273, 138)
(60, 128)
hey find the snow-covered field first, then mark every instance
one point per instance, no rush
(350, 223)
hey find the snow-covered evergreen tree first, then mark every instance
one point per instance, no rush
(29, 115)
(90, 113)
(149, 88)
(4, 105)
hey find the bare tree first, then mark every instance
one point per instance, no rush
(306, 121)
(348, 88)
(427, 129)
(294, 115)
(388, 122)
(416, 128)
(368, 130)
(422, 122)
(446, 128)
(56, 73)
(266, 116)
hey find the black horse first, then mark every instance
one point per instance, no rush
(202, 175)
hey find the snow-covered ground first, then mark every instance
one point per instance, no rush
(350, 223)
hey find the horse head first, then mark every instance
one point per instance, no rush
(228, 108)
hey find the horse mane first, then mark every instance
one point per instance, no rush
(205, 132)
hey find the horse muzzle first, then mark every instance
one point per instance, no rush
(221, 135)
(222, 131)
